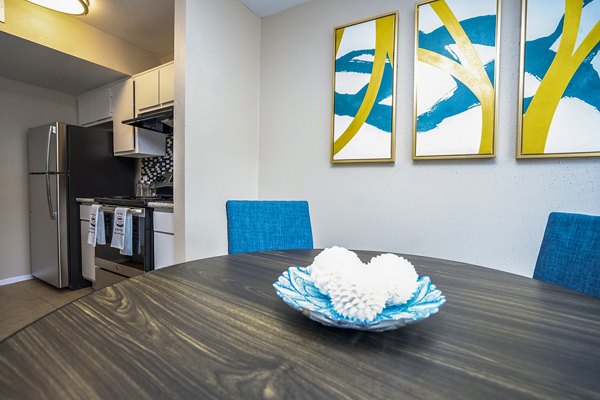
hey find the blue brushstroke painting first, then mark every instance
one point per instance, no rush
(585, 84)
(348, 104)
(480, 30)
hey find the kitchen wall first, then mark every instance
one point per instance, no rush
(153, 168)
(217, 75)
(487, 212)
(23, 106)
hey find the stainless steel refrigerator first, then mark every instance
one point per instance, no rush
(66, 162)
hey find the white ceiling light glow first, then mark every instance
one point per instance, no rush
(75, 7)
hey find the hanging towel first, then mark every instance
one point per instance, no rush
(121, 237)
(96, 233)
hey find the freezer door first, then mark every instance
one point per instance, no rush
(47, 148)
(46, 255)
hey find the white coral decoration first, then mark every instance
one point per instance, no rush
(358, 291)
(398, 275)
(330, 264)
(356, 295)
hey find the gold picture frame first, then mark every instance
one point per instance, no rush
(363, 123)
(442, 137)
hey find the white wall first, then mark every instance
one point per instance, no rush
(487, 212)
(22, 106)
(217, 62)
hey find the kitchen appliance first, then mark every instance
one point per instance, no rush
(159, 120)
(111, 265)
(66, 162)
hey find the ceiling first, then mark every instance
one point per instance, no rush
(264, 8)
(42, 66)
(148, 24)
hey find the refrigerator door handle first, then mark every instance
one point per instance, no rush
(53, 214)
(51, 130)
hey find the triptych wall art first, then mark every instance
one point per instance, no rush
(364, 82)
(560, 79)
(456, 77)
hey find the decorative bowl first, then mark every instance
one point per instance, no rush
(296, 288)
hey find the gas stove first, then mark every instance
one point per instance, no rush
(128, 201)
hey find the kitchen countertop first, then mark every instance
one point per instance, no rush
(161, 204)
(153, 204)
(84, 200)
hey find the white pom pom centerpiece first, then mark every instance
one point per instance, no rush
(399, 277)
(330, 264)
(360, 291)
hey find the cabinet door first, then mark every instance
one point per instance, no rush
(123, 135)
(164, 222)
(87, 254)
(167, 83)
(86, 108)
(164, 250)
(146, 91)
(102, 104)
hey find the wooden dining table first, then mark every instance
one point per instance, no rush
(216, 329)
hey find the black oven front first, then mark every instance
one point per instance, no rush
(142, 258)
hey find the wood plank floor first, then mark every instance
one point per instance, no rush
(24, 302)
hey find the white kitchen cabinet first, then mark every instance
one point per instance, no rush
(154, 88)
(102, 102)
(164, 254)
(95, 107)
(146, 90)
(87, 250)
(123, 135)
(164, 239)
(86, 108)
(166, 83)
(127, 140)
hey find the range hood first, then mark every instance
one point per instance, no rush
(160, 120)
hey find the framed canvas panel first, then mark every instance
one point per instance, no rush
(364, 91)
(456, 75)
(559, 96)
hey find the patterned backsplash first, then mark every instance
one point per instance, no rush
(153, 168)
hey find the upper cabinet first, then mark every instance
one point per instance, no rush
(154, 88)
(127, 140)
(146, 91)
(126, 99)
(123, 135)
(95, 107)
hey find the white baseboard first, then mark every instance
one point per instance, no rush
(15, 279)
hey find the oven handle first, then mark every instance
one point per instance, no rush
(111, 210)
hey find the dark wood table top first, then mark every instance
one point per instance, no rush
(215, 328)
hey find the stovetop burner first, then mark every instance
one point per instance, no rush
(127, 201)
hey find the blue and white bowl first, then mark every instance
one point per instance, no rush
(297, 289)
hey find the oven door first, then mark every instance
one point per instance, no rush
(111, 259)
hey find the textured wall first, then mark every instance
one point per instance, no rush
(217, 63)
(22, 107)
(487, 212)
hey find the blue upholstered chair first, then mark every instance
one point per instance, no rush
(570, 253)
(254, 225)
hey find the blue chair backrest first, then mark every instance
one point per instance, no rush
(570, 253)
(256, 225)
